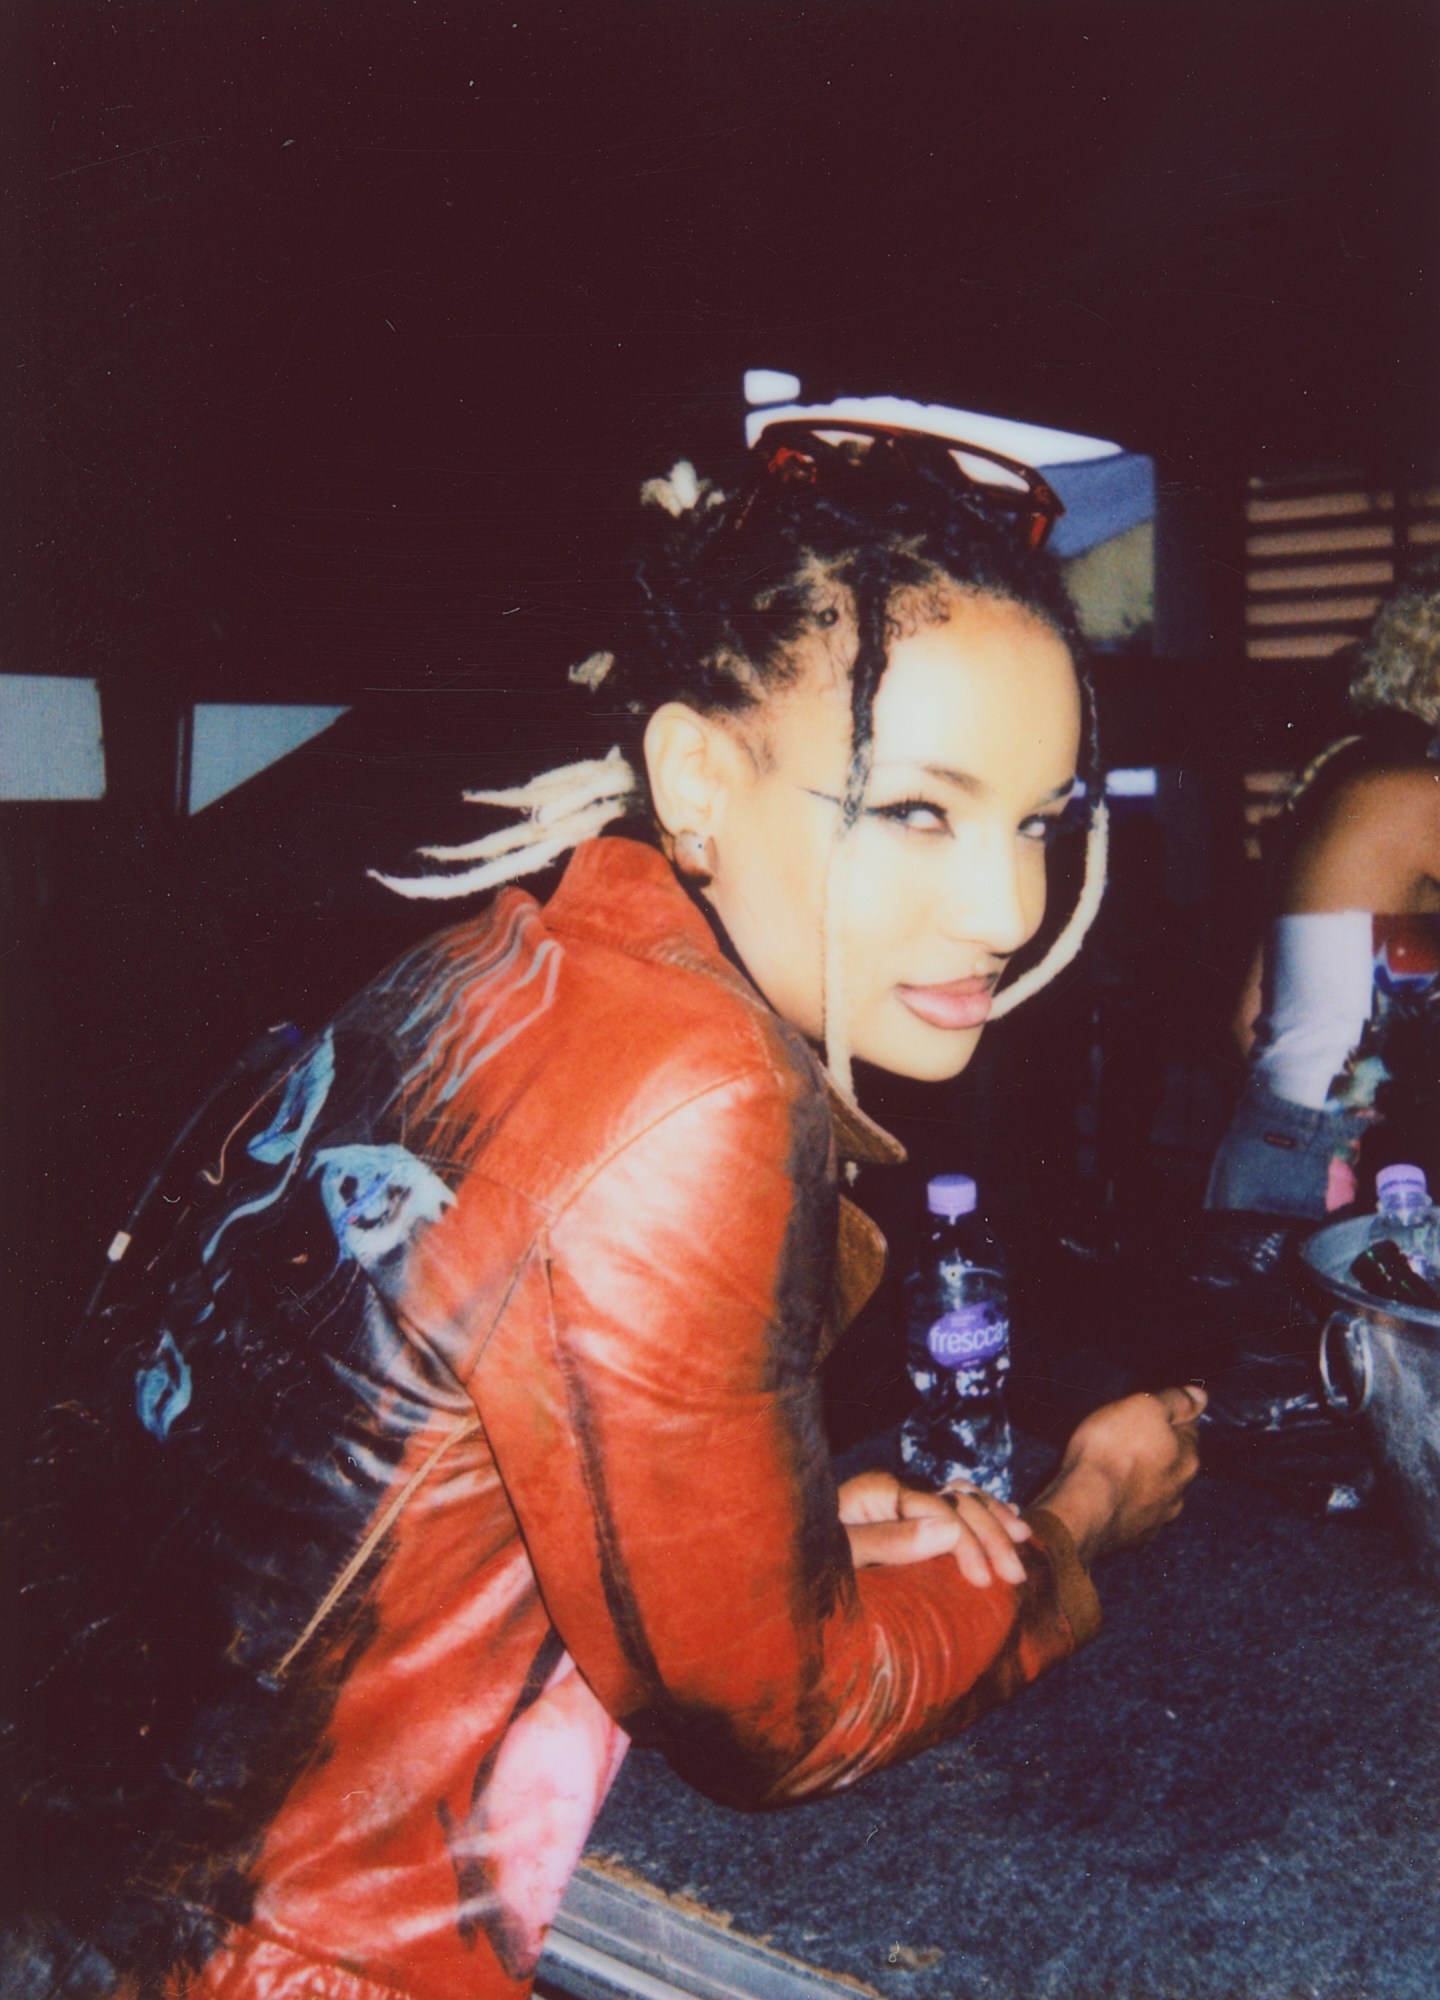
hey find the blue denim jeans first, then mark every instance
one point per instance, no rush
(1276, 1155)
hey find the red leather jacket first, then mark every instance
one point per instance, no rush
(477, 1429)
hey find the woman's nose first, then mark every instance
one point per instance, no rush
(992, 900)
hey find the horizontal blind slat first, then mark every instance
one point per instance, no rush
(1321, 541)
(1320, 576)
(1300, 646)
(1316, 610)
(1311, 506)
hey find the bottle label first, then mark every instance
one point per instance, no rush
(970, 1335)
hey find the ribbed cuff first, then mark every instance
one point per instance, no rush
(1079, 1604)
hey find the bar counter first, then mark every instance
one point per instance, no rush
(1232, 1794)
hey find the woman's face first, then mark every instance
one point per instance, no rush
(976, 736)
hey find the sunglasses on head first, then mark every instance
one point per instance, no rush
(798, 451)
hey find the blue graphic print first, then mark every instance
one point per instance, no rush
(376, 1197)
(163, 1390)
(304, 1098)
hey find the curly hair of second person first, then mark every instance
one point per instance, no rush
(1398, 664)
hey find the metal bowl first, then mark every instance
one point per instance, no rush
(1381, 1363)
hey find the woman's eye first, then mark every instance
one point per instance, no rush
(1043, 827)
(915, 815)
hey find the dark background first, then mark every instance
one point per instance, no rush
(342, 335)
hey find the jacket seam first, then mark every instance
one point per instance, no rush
(750, 1075)
(388, 1515)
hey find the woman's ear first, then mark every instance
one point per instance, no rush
(688, 757)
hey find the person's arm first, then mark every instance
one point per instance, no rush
(654, 1409)
(886, 1522)
(1430, 827)
(1125, 1470)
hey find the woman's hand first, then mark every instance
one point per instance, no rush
(889, 1523)
(1125, 1470)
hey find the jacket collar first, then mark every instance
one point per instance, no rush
(857, 1136)
(626, 894)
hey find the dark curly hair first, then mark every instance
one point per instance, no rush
(732, 584)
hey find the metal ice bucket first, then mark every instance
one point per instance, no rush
(1382, 1363)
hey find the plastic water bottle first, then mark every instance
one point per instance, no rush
(1406, 1215)
(1407, 1219)
(958, 1348)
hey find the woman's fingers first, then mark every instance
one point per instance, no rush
(890, 1523)
(870, 1496)
(1182, 1406)
(990, 1529)
(1003, 1512)
(1125, 1470)
(879, 1496)
(889, 1542)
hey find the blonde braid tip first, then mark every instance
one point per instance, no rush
(1066, 947)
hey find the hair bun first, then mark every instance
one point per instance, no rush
(681, 491)
(591, 671)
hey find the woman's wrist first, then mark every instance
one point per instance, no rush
(1083, 1501)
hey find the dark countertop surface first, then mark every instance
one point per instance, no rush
(1233, 1794)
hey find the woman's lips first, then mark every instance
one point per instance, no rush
(965, 1003)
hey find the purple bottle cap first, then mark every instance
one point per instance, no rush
(950, 1195)
(1397, 1177)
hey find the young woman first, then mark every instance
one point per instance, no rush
(465, 1424)
(1341, 1014)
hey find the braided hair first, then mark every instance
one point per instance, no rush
(730, 586)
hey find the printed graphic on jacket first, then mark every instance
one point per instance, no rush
(249, 1414)
(455, 1407)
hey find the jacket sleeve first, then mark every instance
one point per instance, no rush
(652, 1400)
